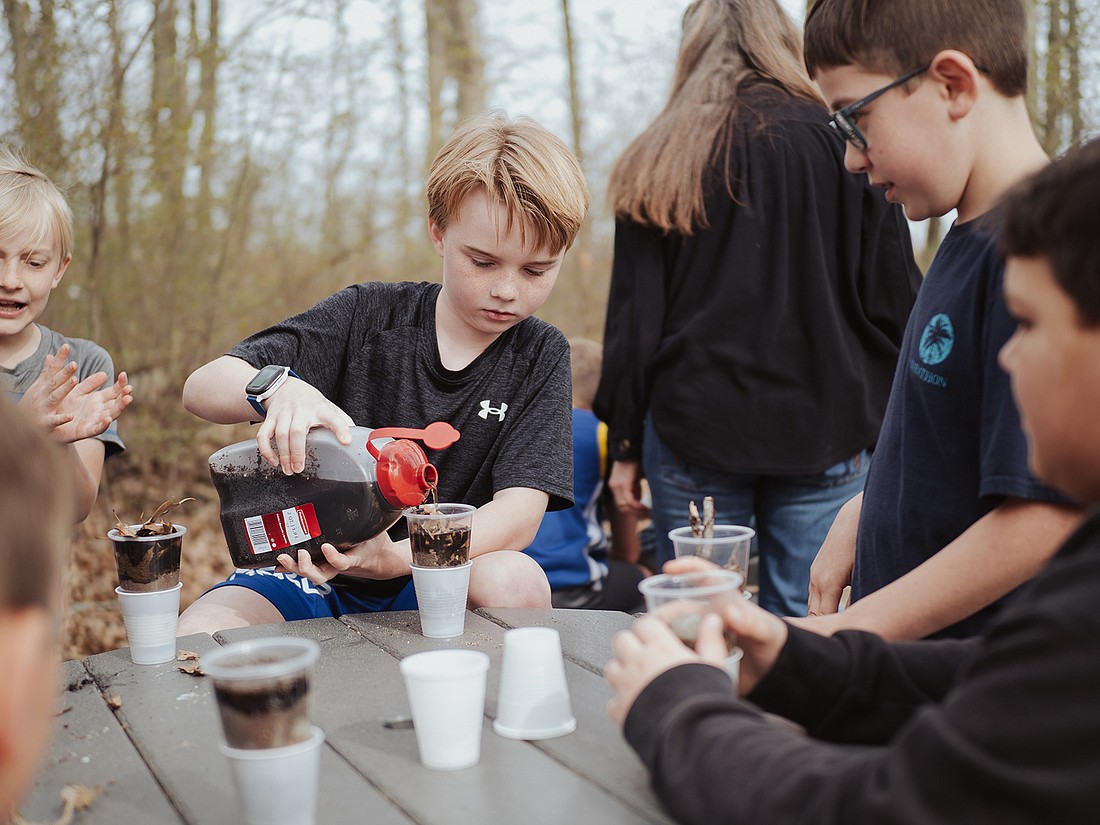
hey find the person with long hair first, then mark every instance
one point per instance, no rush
(757, 303)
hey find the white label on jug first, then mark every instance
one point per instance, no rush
(273, 532)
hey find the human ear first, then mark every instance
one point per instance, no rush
(61, 271)
(436, 234)
(958, 77)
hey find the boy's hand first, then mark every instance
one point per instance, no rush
(831, 570)
(294, 410)
(75, 411)
(647, 650)
(377, 558)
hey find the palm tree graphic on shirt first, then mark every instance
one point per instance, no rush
(937, 340)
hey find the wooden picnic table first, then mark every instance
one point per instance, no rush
(148, 736)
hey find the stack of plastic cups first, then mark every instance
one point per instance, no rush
(149, 592)
(439, 535)
(262, 688)
(533, 702)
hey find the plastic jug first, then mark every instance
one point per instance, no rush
(344, 495)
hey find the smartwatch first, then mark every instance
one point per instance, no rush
(264, 384)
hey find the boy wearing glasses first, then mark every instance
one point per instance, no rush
(930, 98)
(1000, 728)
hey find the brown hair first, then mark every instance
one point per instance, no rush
(518, 162)
(897, 36)
(585, 357)
(35, 512)
(30, 200)
(659, 179)
(1054, 215)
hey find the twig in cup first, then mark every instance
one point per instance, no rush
(708, 517)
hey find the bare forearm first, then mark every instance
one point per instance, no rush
(86, 459)
(996, 554)
(215, 391)
(508, 522)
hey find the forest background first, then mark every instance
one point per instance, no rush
(231, 163)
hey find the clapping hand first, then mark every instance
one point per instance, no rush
(75, 410)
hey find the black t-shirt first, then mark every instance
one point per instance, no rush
(371, 349)
(766, 342)
(951, 447)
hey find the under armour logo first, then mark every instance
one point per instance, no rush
(488, 409)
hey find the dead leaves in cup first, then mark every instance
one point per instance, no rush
(155, 525)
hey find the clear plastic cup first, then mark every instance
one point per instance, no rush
(439, 534)
(151, 620)
(262, 687)
(277, 786)
(728, 547)
(147, 564)
(441, 599)
(682, 601)
(533, 701)
(446, 690)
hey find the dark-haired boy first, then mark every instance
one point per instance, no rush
(1000, 728)
(930, 96)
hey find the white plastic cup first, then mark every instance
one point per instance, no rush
(728, 547)
(533, 701)
(446, 690)
(441, 599)
(151, 620)
(277, 786)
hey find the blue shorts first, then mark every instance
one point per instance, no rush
(296, 597)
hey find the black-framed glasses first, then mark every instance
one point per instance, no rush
(842, 118)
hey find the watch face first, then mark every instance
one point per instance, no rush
(263, 380)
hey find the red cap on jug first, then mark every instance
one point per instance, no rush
(404, 474)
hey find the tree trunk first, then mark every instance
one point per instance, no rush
(36, 75)
(454, 56)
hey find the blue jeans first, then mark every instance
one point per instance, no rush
(791, 514)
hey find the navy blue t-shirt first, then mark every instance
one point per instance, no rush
(951, 446)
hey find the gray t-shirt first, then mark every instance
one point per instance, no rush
(90, 358)
(371, 349)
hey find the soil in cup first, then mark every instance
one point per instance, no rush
(267, 715)
(148, 566)
(443, 546)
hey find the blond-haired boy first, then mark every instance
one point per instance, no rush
(505, 201)
(36, 241)
(35, 521)
(930, 97)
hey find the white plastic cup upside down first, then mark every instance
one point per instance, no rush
(441, 599)
(446, 690)
(277, 786)
(533, 702)
(151, 620)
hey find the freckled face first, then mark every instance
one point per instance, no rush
(1054, 364)
(492, 279)
(28, 273)
(911, 154)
